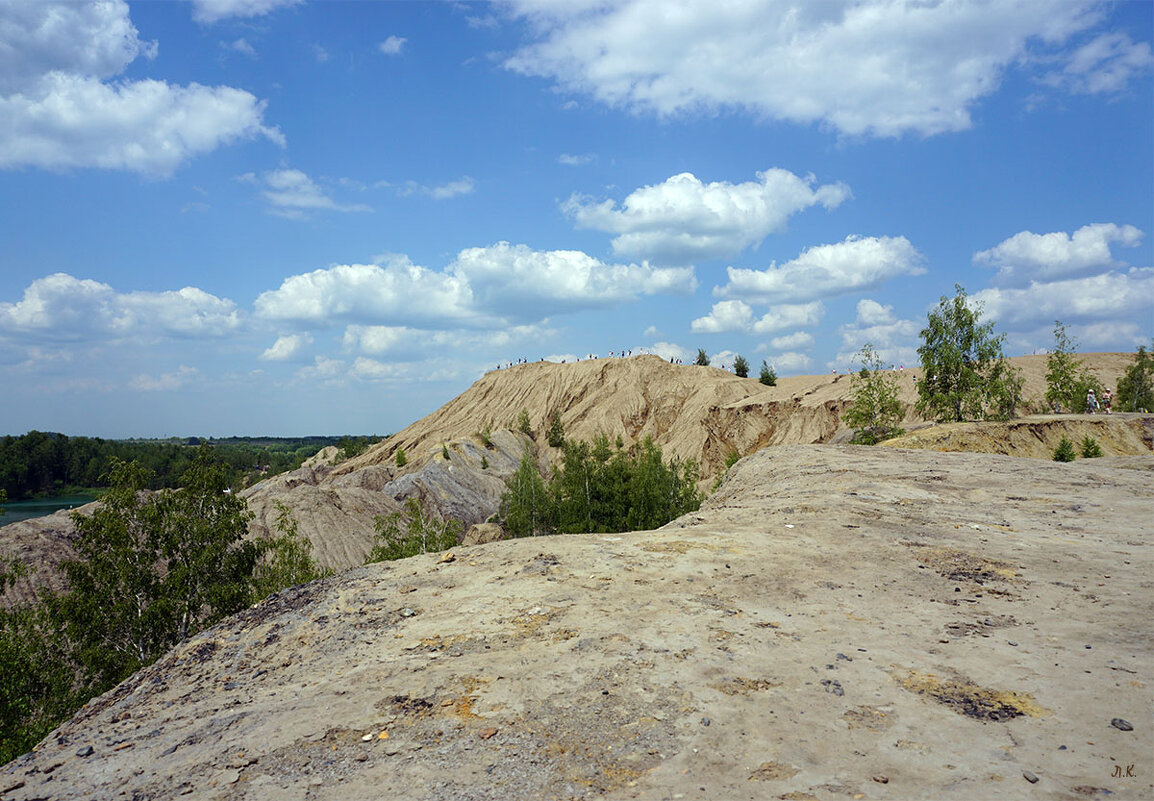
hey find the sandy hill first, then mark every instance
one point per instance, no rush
(836, 622)
(700, 413)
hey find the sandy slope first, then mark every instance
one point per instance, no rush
(836, 622)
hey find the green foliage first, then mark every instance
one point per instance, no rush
(445, 451)
(348, 447)
(1090, 448)
(36, 680)
(874, 411)
(151, 570)
(768, 375)
(1062, 372)
(1136, 386)
(402, 460)
(154, 569)
(1065, 451)
(288, 560)
(523, 424)
(486, 435)
(484, 462)
(600, 488)
(411, 531)
(525, 507)
(1067, 384)
(702, 358)
(556, 433)
(40, 463)
(965, 373)
(741, 367)
(731, 459)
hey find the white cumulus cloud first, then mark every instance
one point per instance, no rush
(1104, 65)
(682, 220)
(894, 339)
(736, 315)
(64, 308)
(58, 110)
(393, 45)
(208, 11)
(796, 341)
(286, 347)
(856, 264)
(291, 193)
(861, 68)
(1027, 256)
(1114, 296)
(483, 286)
(165, 381)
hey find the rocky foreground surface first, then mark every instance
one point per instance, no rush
(836, 622)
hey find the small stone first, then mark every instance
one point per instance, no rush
(366, 738)
(85, 751)
(488, 732)
(845, 658)
(1030, 777)
(1121, 725)
(706, 721)
(1061, 748)
(449, 557)
(882, 779)
(1011, 642)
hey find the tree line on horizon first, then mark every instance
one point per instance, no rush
(39, 463)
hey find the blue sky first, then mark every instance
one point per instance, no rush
(285, 218)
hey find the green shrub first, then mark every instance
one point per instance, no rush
(409, 532)
(1090, 448)
(1065, 451)
(523, 424)
(768, 375)
(599, 488)
(445, 451)
(402, 460)
(741, 367)
(486, 435)
(1136, 387)
(702, 358)
(556, 433)
(874, 409)
(484, 462)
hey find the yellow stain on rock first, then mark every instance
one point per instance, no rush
(969, 699)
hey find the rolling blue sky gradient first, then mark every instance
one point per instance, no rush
(276, 217)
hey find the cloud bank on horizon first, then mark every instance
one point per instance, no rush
(279, 216)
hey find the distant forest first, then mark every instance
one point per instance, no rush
(39, 463)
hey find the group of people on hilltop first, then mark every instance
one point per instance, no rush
(620, 354)
(1092, 404)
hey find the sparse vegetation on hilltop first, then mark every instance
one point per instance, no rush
(875, 410)
(1136, 387)
(768, 375)
(965, 374)
(1067, 383)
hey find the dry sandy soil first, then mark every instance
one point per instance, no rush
(835, 623)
